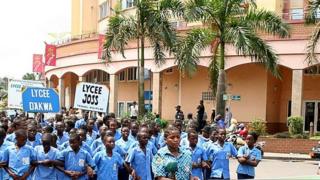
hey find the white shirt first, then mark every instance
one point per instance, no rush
(134, 110)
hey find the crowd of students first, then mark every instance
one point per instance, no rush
(71, 148)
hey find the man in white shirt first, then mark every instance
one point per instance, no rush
(134, 110)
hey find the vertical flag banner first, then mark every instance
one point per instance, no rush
(50, 55)
(102, 40)
(38, 65)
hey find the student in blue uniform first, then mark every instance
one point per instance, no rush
(61, 134)
(219, 154)
(155, 129)
(92, 134)
(77, 162)
(99, 141)
(20, 157)
(249, 157)
(199, 156)
(124, 142)
(46, 160)
(108, 162)
(113, 127)
(171, 161)
(134, 131)
(139, 159)
(3, 147)
(32, 132)
(83, 138)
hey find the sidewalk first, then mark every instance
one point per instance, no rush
(284, 156)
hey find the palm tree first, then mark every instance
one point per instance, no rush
(29, 76)
(312, 17)
(235, 22)
(150, 23)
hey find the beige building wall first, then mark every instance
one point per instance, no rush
(311, 87)
(286, 89)
(250, 82)
(271, 5)
(84, 16)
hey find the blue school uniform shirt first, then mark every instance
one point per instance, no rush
(107, 167)
(91, 138)
(140, 162)
(76, 161)
(220, 159)
(155, 140)
(150, 146)
(3, 148)
(164, 156)
(34, 143)
(252, 154)
(134, 138)
(84, 146)
(44, 172)
(202, 140)
(12, 137)
(117, 135)
(116, 149)
(95, 144)
(125, 145)
(79, 123)
(64, 138)
(19, 160)
(198, 155)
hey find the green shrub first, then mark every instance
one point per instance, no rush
(282, 135)
(258, 126)
(295, 125)
(163, 123)
(300, 136)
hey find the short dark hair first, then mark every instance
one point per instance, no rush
(21, 132)
(74, 137)
(206, 129)
(169, 130)
(2, 133)
(192, 132)
(254, 135)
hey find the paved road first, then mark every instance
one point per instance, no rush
(279, 169)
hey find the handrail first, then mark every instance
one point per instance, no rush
(75, 38)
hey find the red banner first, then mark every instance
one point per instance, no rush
(50, 55)
(38, 65)
(102, 40)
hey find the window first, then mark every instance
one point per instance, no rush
(313, 70)
(121, 109)
(122, 76)
(127, 4)
(296, 14)
(132, 74)
(106, 77)
(207, 96)
(104, 9)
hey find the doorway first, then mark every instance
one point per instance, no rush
(312, 114)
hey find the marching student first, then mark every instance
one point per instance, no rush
(78, 163)
(46, 160)
(219, 154)
(3, 147)
(32, 132)
(139, 159)
(249, 157)
(20, 157)
(107, 161)
(172, 161)
(199, 156)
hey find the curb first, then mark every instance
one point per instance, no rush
(289, 158)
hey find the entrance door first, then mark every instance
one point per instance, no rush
(312, 114)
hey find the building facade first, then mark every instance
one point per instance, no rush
(253, 91)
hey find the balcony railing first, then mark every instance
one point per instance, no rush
(75, 38)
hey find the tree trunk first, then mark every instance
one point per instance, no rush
(141, 80)
(221, 86)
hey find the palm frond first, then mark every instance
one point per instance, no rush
(248, 43)
(171, 8)
(189, 48)
(196, 10)
(312, 44)
(266, 21)
(312, 11)
(121, 30)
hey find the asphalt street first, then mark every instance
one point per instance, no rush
(281, 169)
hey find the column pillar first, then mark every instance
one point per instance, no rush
(82, 79)
(113, 98)
(61, 92)
(156, 89)
(297, 92)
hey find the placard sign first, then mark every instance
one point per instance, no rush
(92, 97)
(43, 100)
(15, 88)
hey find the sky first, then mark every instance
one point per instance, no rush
(24, 26)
